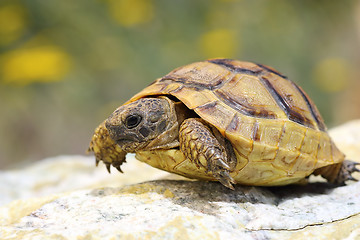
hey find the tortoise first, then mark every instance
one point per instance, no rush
(224, 120)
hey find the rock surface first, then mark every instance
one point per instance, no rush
(68, 173)
(67, 198)
(171, 209)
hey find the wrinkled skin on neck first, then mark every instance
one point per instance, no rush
(146, 124)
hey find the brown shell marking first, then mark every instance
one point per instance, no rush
(248, 103)
(259, 110)
(290, 97)
(311, 106)
(269, 94)
(224, 86)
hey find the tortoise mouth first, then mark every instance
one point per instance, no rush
(130, 145)
(122, 142)
(123, 139)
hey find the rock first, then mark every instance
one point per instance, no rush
(67, 198)
(168, 209)
(68, 173)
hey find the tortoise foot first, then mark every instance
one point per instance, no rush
(199, 144)
(347, 168)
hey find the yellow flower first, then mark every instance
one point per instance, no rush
(37, 64)
(131, 12)
(219, 43)
(12, 23)
(332, 74)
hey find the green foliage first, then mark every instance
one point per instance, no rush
(65, 65)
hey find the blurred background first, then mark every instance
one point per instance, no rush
(66, 65)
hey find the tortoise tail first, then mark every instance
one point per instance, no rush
(339, 173)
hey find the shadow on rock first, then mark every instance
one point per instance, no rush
(204, 196)
(297, 191)
(211, 197)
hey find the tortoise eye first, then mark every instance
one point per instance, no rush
(132, 121)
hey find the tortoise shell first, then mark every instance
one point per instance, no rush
(278, 134)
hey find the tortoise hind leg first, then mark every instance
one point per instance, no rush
(339, 173)
(347, 168)
(200, 145)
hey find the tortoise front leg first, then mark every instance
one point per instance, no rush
(199, 144)
(105, 149)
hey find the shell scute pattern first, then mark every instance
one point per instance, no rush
(231, 94)
(273, 126)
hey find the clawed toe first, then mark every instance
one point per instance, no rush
(351, 178)
(115, 164)
(226, 180)
(222, 164)
(345, 174)
(220, 171)
(350, 166)
(108, 167)
(355, 169)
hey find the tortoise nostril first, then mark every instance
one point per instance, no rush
(114, 131)
(120, 133)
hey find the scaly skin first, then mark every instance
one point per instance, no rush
(203, 149)
(105, 149)
(339, 173)
(347, 168)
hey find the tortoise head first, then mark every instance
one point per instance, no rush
(145, 124)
